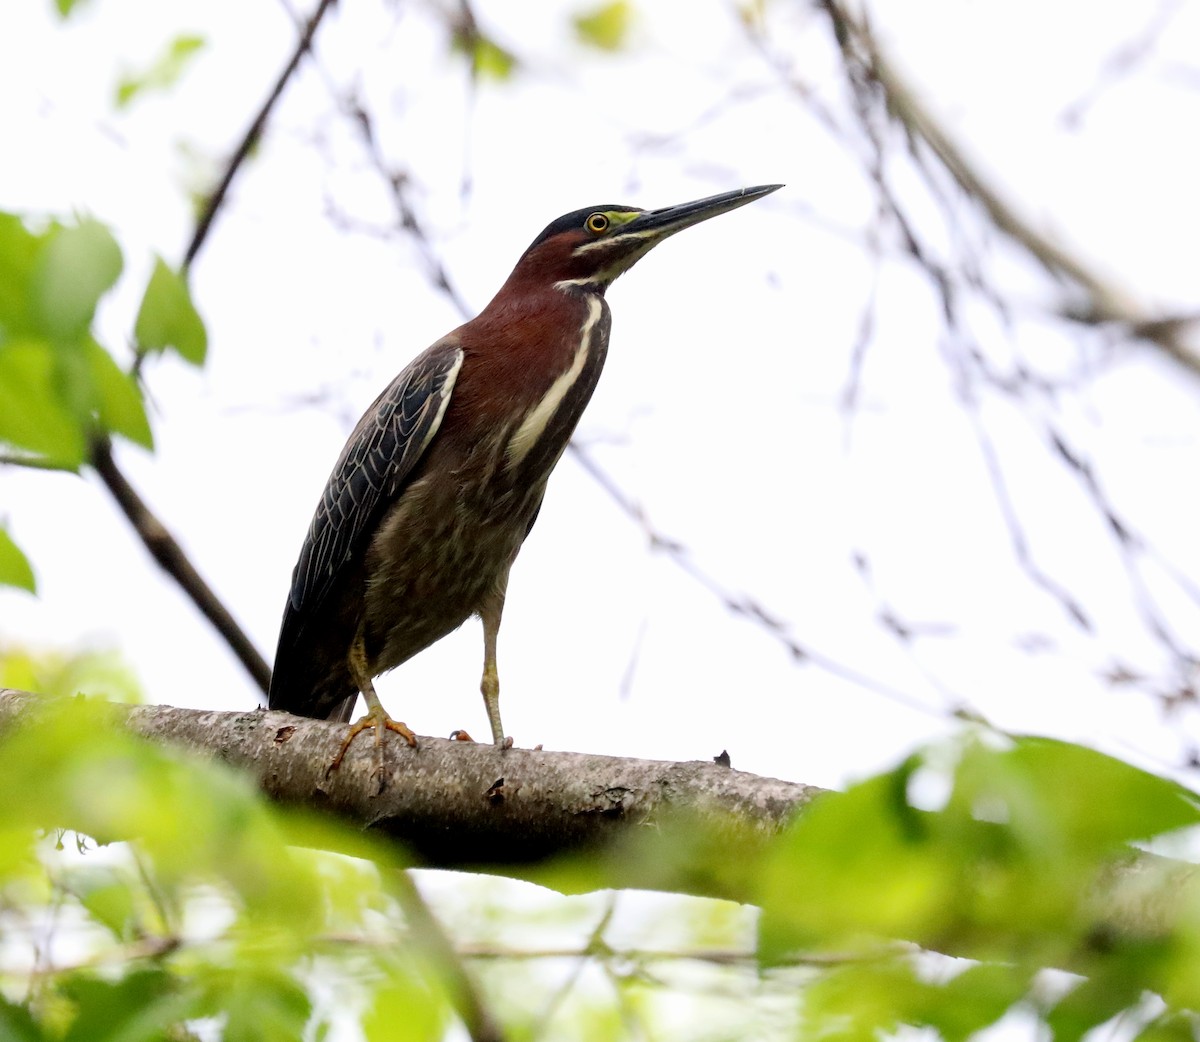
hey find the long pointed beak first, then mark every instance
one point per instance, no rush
(672, 219)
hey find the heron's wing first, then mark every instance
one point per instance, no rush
(373, 470)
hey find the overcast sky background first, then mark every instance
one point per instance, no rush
(721, 408)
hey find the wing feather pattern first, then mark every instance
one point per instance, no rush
(373, 469)
(371, 473)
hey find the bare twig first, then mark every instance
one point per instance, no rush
(215, 200)
(1123, 60)
(400, 187)
(438, 948)
(169, 554)
(740, 604)
(1104, 302)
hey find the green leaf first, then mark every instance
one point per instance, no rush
(488, 59)
(1005, 869)
(1090, 1003)
(167, 317)
(33, 412)
(15, 569)
(855, 864)
(66, 8)
(100, 672)
(18, 253)
(164, 73)
(139, 1007)
(405, 1010)
(861, 1003)
(17, 1023)
(259, 1004)
(77, 265)
(606, 27)
(974, 999)
(108, 899)
(1055, 793)
(119, 405)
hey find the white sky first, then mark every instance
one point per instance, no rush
(720, 405)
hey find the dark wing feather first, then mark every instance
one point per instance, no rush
(373, 469)
(310, 676)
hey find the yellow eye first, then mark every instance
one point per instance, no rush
(596, 223)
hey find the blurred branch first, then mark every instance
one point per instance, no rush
(437, 946)
(400, 187)
(216, 199)
(1123, 60)
(170, 555)
(1104, 302)
(744, 605)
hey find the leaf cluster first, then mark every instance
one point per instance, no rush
(181, 902)
(1015, 858)
(982, 881)
(60, 387)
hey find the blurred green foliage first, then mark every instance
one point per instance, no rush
(1002, 851)
(59, 386)
(182, 901)
(167, 317)
(605, 27)
(164, 72)
(488, 59)
(101, 672)
(15, 569)
(215, 909)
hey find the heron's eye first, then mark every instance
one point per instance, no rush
(597, 223)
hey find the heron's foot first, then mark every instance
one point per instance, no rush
(380, 721)
(462, 736)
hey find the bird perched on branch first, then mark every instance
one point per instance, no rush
(443, 477)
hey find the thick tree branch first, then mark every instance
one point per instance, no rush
(457, 804)
(694, 828)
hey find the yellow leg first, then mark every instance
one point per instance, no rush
(490, 684)
(377, 716)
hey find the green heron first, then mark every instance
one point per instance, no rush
(443, 477)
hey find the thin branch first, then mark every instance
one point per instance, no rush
(213, 203)
(171, 558)
(399, 186)
(1123, 60)
(438, 948)
(1105, 302)
(595, 946)
(744, 605)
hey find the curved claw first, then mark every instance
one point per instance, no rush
(380, 721)
(461, 736)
